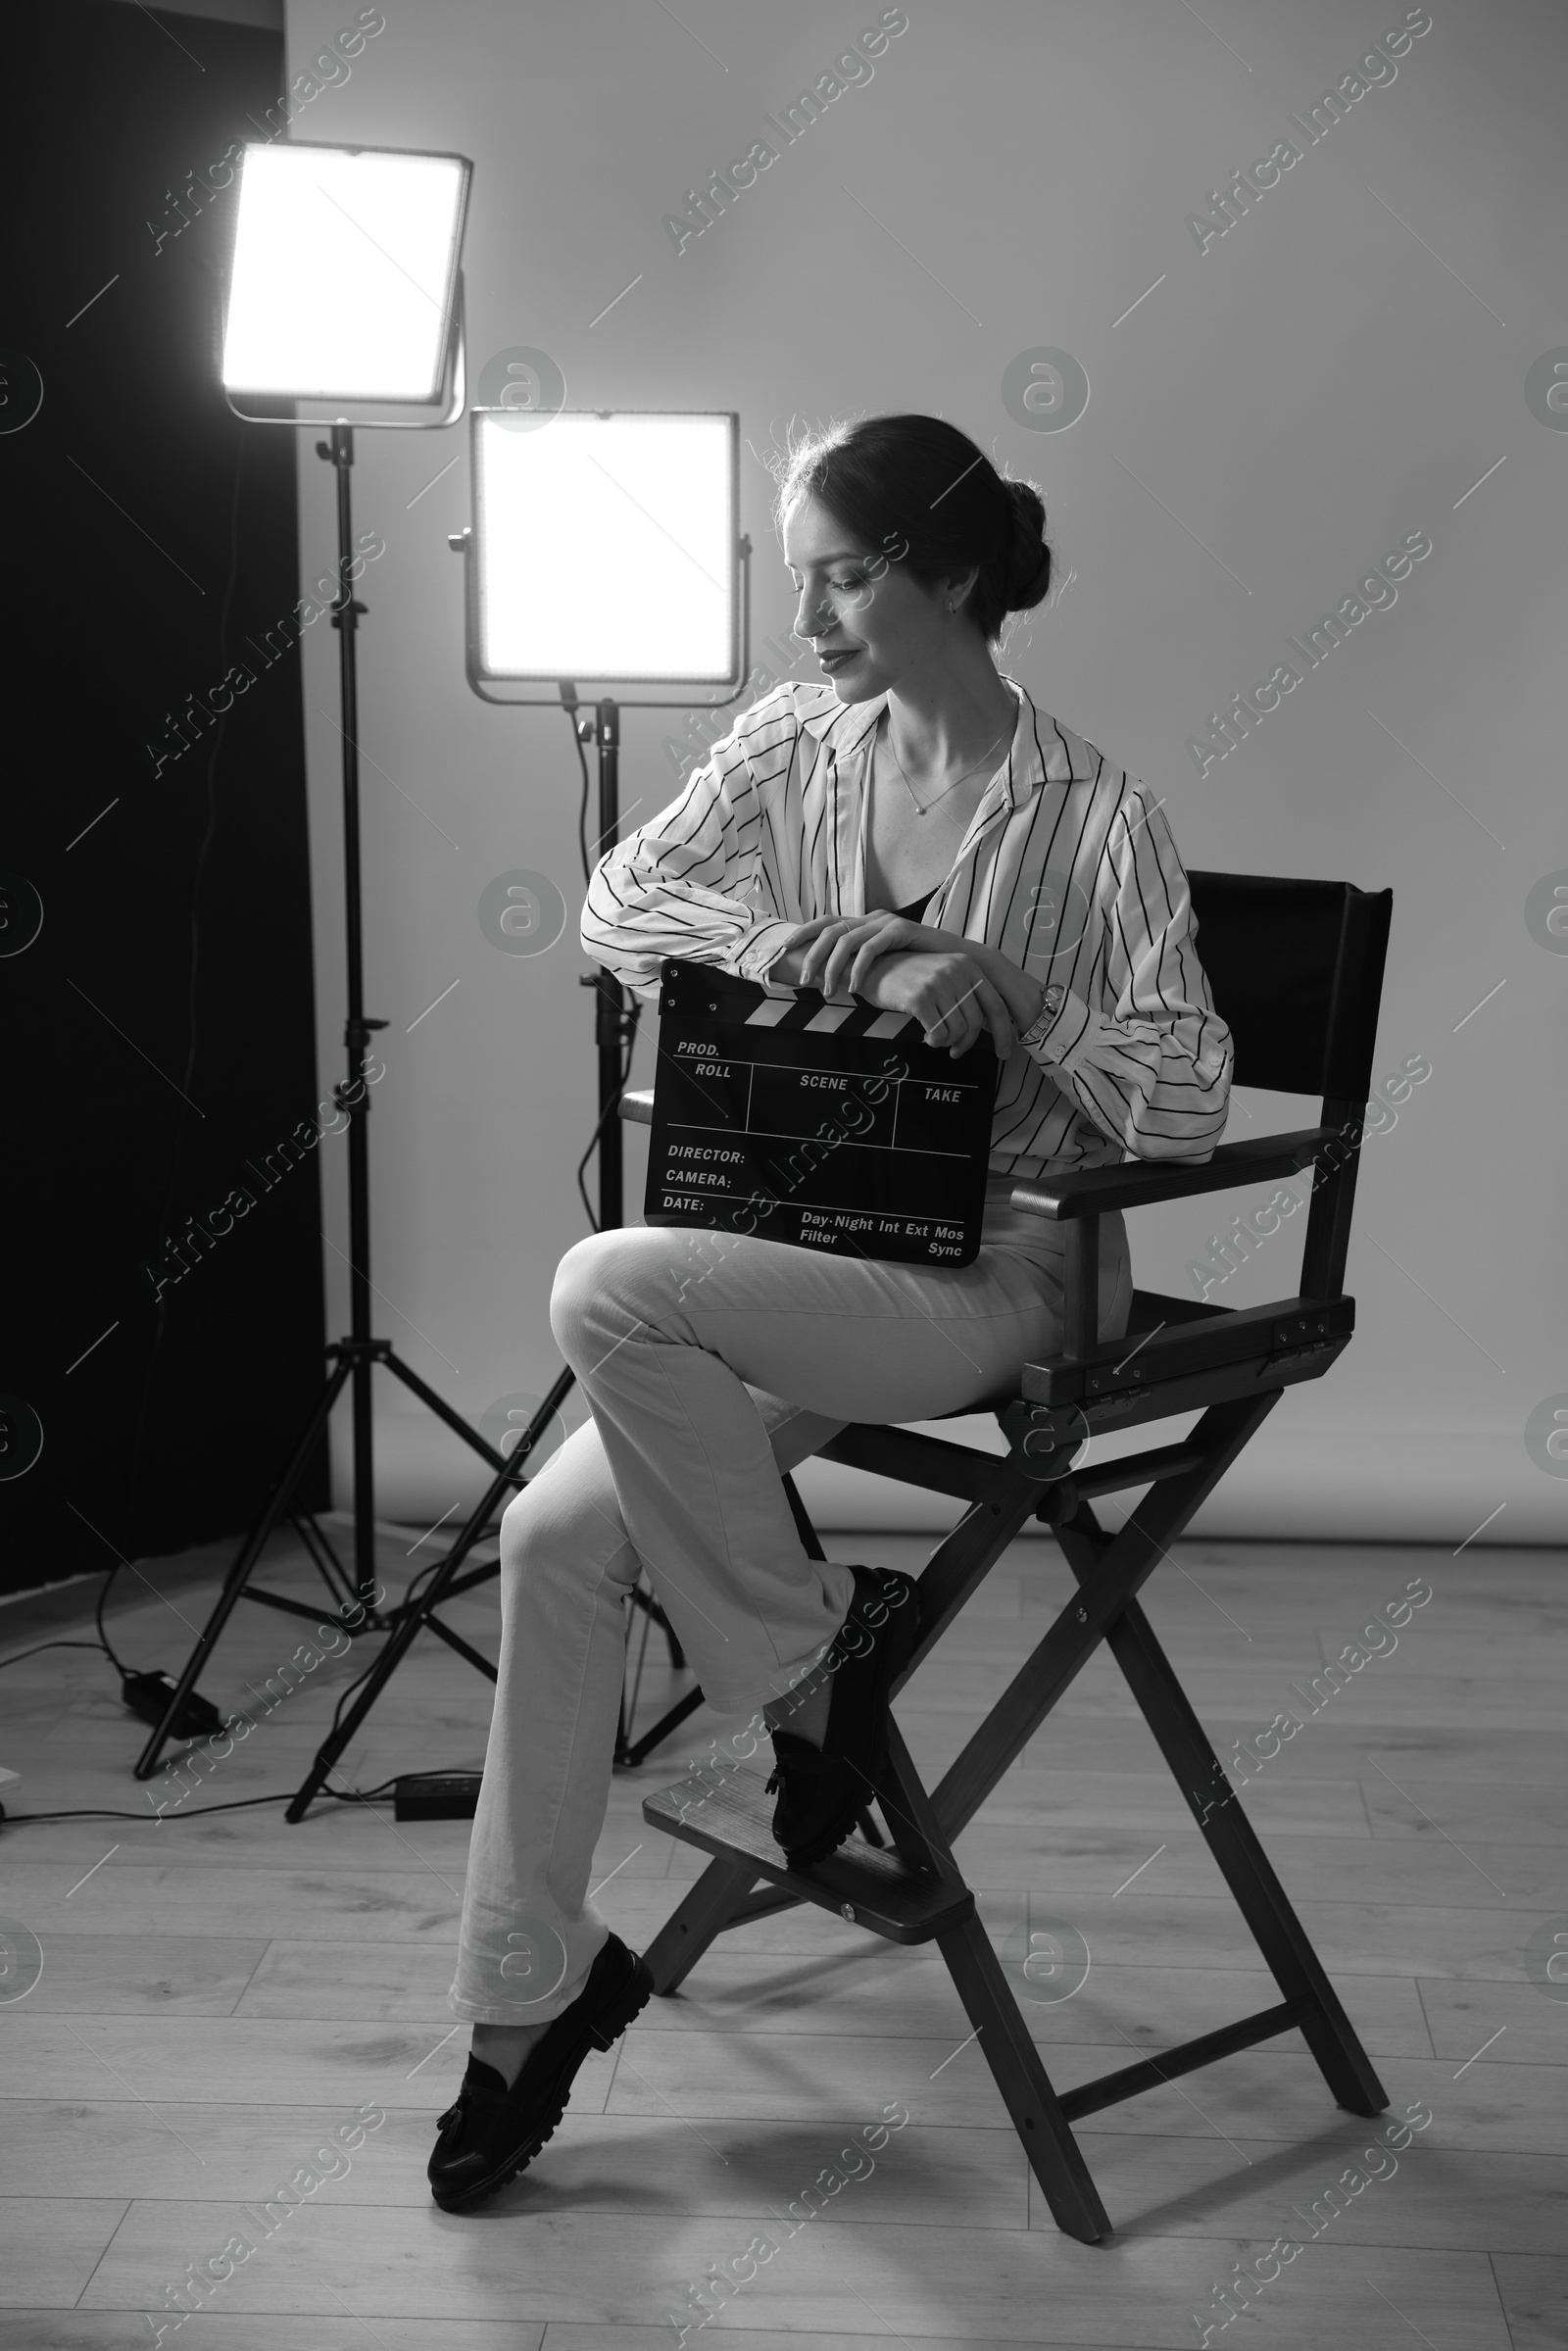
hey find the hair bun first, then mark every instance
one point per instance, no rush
(918, 484)
(1029, 568)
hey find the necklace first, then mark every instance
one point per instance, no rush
(924, 808)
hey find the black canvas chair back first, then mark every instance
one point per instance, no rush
(1295, 969)
(1291, 972)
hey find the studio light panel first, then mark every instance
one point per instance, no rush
(344, 274)
(607, 545)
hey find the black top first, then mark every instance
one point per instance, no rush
(917, 906)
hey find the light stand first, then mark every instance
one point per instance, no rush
(615, 1016)
(614, 1021)
(355, 1358)
(614, 1028)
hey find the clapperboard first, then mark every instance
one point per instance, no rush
(827, 1126)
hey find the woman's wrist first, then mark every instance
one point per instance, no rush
(1020, 990)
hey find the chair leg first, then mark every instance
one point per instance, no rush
(1246, 1869)
(1053, 2153)
(1004, 2042)
(687, 1932)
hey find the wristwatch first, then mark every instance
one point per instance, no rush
(1055, 997)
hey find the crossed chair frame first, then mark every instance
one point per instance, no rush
(1295, 969)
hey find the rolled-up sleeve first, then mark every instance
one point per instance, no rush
(1135, 1039)
(682, 884)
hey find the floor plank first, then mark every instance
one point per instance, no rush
(179, 1974)
(1535, 2298)
(50, 2249)
(221, 1990)
(1012, 2285)
(228, 2331)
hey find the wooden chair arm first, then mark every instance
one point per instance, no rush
(1096, 1191)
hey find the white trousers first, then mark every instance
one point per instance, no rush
(711, 1363)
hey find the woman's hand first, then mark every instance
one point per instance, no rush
(802, 963)
(813, 957)
(838, 950)
(947, 991)
(844, 954)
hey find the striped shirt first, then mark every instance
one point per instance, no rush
(1066, 867)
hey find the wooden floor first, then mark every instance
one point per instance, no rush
(219, 1994)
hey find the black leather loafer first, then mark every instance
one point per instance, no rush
(492, 2132)
(821, 1790)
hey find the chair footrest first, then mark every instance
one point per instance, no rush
(729, 1814)
(1109, 2090)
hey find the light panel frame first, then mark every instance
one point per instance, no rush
(333, 241)
(492, 431)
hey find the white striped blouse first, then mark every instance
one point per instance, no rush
(1067, 867)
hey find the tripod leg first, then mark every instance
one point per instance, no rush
(626, 1713)
(327, 1567)
(629, 1757)
(407, 1621)
(454, 1420)
(803, 1522)
(238, 1575)
(332, 1747)
(655, 1615)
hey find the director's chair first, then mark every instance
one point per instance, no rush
(1295, 969)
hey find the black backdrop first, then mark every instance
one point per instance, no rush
(160, 1025)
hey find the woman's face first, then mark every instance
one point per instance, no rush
(871, 623)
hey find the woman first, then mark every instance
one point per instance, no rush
(914, 830)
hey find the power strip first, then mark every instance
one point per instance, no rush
(435, 1796)
(148, 1695)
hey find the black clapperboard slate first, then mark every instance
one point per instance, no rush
(826, 1126)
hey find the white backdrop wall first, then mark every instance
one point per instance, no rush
(1343, 367)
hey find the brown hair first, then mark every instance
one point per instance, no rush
(917, 485)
